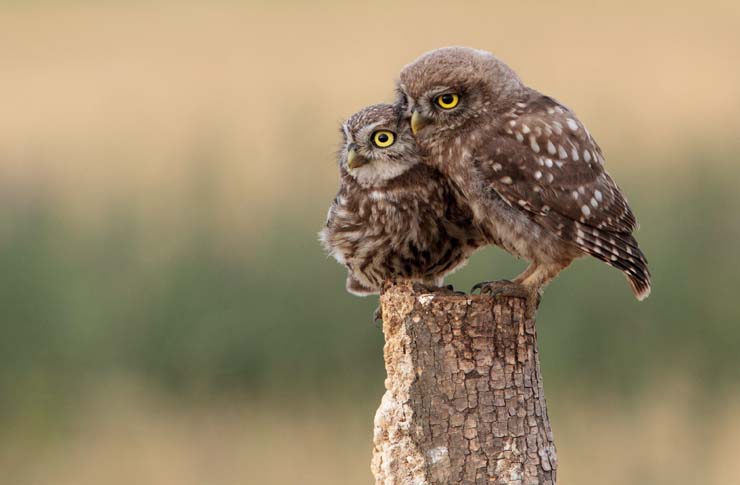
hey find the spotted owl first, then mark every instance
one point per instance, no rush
(527, 167)
(394, 218)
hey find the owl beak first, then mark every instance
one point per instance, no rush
(354, 160)
(418, 122)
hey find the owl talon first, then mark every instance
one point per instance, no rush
(378, 314)
(450, 290)
(488, 287)
(531, 295)
(443, 290)
(422, 288)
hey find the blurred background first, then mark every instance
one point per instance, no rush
(167, 315)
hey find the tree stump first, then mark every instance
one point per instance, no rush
(464, 402)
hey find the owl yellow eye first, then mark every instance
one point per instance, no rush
(447, 101)
(383, 138)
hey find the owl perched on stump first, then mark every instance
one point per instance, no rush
(525, 165)
(394, 216)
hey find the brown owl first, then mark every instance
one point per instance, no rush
(528, 168)
(394, 217)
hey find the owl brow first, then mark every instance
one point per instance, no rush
(369, 129)
(437, 90)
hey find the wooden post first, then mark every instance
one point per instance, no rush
(464, 402)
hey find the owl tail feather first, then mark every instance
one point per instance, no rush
(621, 251)
(635, 269)
(640, 285)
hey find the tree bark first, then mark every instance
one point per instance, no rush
(464, 402)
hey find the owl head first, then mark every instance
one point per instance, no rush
(378, 146)
(446, 89)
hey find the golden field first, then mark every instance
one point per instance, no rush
(127, 437)
(119, 97)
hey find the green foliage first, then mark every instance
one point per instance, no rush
(78, 308)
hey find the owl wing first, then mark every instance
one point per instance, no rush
(343, 226)
(544, 161)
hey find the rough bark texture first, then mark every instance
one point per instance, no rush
(464, 402)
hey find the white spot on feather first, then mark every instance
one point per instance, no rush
(586, 211)
(506, 180)
(533, 144)
(572, 124)
(562, 153)
(551, 148)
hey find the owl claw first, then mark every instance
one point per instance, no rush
(530, 294)
(488, 287)
(422, 288)
(378, 314)
(444, 290)
(450, 290)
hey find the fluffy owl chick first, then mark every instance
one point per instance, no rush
(529, 169)
(394, 217)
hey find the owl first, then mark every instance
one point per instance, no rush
(394, 217)
(529, 170)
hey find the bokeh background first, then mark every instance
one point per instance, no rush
(167, 315)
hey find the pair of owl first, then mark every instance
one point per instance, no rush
(470, 156)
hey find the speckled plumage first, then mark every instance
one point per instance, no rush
(394, 217)
(529, 169)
